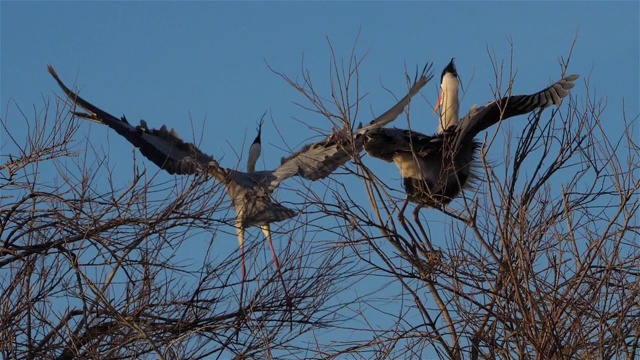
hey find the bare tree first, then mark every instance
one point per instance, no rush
(534, 263)
(95, 260)
(90, 262)
(540, 261)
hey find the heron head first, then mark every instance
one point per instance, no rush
(449, 70)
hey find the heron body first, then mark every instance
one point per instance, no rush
(436, 168)
(432, 172)
(250, 192)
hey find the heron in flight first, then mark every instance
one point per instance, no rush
(250, 192)
(437, 168)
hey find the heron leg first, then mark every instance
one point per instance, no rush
(267, 233)
(408, 228)
(402, 209)
(416, 219)
(240, 234)
(241, 312)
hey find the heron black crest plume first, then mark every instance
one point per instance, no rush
(451, 69)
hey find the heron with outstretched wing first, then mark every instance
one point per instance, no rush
(250, 192)
(435, 169)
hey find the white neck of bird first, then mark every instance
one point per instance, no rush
(450, 105)
(254, 154)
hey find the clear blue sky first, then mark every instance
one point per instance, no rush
(173, 62)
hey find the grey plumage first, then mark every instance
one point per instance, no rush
(250, 192)
(435, 169)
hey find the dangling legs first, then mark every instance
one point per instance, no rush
(267, 233)
(241, 311)
(240, 234)
(408, 228)
(416, 219)
(404, 207)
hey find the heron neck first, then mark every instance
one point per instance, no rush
(254, 154)
(450, 106)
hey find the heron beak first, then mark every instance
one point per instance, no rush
(439, 103)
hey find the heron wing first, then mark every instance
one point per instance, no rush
(397, 109)
(479, 119)
(318, 160)
(163, 147)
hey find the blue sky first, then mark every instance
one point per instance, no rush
(165, 62)
(195, 63)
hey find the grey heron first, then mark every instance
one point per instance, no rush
(250, 192)
(436, 168)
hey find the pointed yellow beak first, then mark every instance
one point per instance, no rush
(439, 103)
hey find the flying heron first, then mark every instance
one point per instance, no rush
(436, 168)
(254, 154)
(250, 192)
